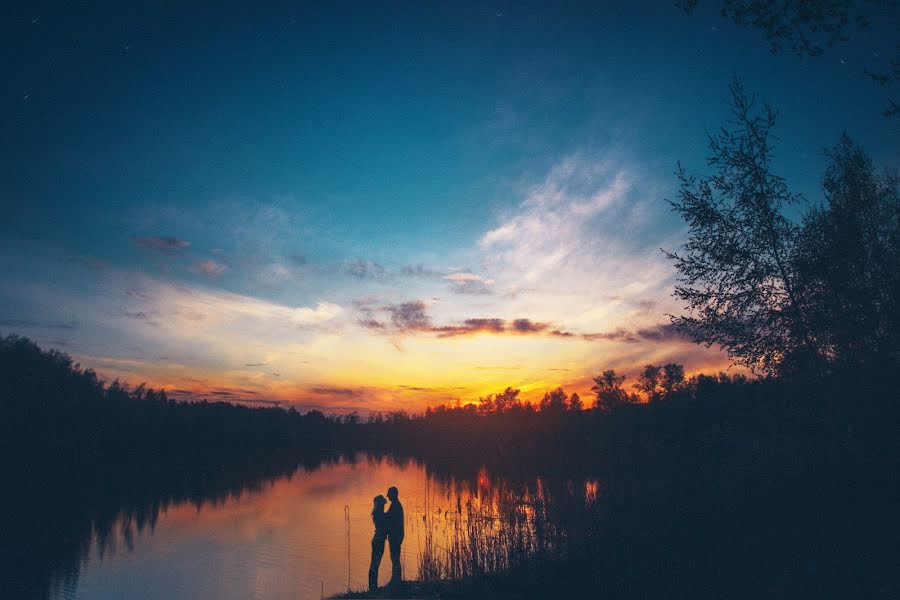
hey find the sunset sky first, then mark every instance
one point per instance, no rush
(377, 206)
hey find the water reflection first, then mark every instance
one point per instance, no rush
(282, 534)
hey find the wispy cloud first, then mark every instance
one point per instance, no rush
(458, 280)
(334, 391)
(211, 268)
(260, 241)
(584, 243)
(162, 243)
(193, 305)
(420, 271)
(364, 269)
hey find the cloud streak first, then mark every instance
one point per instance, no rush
(412, 317)
(161, 243)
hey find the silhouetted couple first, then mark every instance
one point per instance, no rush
(388, 526)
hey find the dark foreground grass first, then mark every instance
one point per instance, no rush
(537, 578)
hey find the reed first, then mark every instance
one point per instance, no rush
(487, 531)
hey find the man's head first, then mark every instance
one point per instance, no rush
(392, 493)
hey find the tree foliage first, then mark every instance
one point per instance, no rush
(810, 27)
(781, 296)
(735, 272)
(608, 391)
(554, 401)
(660, 382)
(848, 262)
(575, 403)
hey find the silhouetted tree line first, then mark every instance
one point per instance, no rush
(78, 456)
(53, 409)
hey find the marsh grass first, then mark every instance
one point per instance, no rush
(495, 527)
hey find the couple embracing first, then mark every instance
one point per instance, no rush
(388, 526)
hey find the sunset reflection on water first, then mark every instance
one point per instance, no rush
(285, 540)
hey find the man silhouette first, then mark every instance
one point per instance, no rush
(394, 519)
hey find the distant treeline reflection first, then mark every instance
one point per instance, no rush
(720, 485)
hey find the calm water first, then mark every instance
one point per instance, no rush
(287, 539)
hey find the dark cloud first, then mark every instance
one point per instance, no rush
(663, 332)
(414, 388)
(473, 326)
(138, 293)
(65, 325)
(255, 364)
(561, 333)
(527, 326)
(140, 316)
(333, 391)
(372, 324)
(619, 335)
(364, 269)
(162, 243)
(410, 316)
(421, 272)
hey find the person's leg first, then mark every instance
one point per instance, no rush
(396, 575)
(377, 553)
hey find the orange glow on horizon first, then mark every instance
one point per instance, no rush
(412, 379)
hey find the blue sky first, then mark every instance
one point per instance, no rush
(504, 160)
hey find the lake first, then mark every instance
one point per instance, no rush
(285, 537)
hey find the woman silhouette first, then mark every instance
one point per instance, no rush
(379, 519)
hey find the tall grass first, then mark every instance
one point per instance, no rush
(493, 528)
